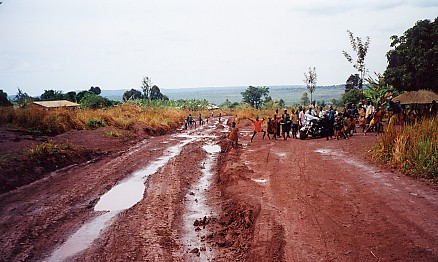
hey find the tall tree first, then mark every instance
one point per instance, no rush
(361, 50)
(146, 86)
(413, 63)
(310, 81)
(253, 95)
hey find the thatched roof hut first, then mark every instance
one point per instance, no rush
(417, 97)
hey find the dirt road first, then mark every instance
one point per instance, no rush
(265, 201)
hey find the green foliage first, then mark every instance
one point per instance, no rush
(352, 96)
(50, 95)
(377, 89)
(132, 94)
(270, 105)
(412, 64)
(4, 101)
(94, 123)
(192, 104)
(95, 89)
(93, 101)
(228, 104)
(253, 95)
(352, 82)
(71, 96)
(155, 94)
(81, 95)
(305, 99)
(361, 50)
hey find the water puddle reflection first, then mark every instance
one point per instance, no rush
(130, 191)
(198, 213)
(83, 238)
(260, 180)
(121, 197)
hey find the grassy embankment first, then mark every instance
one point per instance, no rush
(412, 148)
(59, 121)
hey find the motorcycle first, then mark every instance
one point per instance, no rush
(312, 128)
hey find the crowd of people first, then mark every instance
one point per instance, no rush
(333, 124)
(327, 122)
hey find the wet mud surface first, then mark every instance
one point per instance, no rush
(202, 200)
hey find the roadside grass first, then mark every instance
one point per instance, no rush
(124, 117)
(412, 148)
(158, 117)
(47, 149)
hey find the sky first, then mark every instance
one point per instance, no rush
(73, 45)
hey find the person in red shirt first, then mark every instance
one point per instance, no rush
(257, 127)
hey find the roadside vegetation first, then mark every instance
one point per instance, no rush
(124, 116)
(412, 148)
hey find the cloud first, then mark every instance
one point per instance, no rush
(334, 7)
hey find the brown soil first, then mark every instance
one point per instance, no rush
(278, 200)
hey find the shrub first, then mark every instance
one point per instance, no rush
(48, 149)
(94, 123)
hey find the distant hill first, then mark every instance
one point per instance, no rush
(217, 95)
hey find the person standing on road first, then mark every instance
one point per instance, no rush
(234, 135)
(190, 121)
(294, 117)
(277, 121)
(257, 127)
(302, 116)
(200, 120)
(331, 117)
(285, 125)
(236, 119)
(272, 127)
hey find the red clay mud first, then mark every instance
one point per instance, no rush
(278, 200)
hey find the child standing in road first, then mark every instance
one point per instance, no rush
(257, 127)
(272, 127)
(234, 138)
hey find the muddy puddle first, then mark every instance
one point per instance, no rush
(197, 213)
(130, 191)
(121, 197)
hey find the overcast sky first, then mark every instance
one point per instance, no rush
(72, 45)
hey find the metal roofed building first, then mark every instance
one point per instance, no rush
(57, 104)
